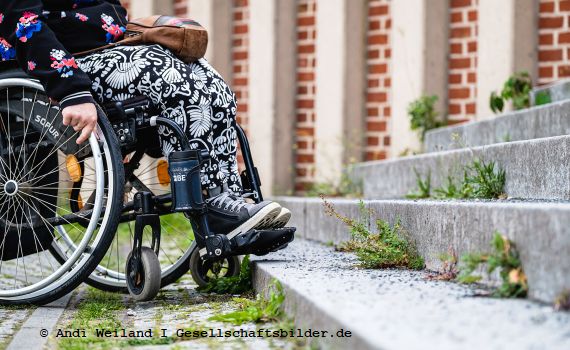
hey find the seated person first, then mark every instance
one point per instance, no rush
(40, 34)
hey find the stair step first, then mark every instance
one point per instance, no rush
(400, 309)
(537, 169)
(533, 123)
(539, 229)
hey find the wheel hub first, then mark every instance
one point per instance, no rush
(11, 187)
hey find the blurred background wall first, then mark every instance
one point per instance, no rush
(324, 83)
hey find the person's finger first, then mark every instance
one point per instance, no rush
(79, 126)
(66, 118)
(85, 133)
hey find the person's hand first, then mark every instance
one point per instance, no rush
(82, 117)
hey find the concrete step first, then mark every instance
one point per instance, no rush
(542, 121)
(538, 169)
(400, 309)
(540, 231)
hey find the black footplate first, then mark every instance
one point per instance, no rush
(256, 242)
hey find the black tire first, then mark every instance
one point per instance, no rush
(200, 268)
(146, 284)
(112, 214)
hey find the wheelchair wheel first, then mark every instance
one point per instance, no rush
(46, 248)
(145, 284)
(204, 271)
(177, 240)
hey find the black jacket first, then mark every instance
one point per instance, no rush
(42, 34)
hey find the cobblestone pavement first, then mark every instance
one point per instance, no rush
(178, 306)
(11, 319)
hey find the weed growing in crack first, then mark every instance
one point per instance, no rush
(448, 270)
(423, 187)
(390, 247)
(231, 285)
(258, 310)
(481, 180)
(505, 258)
(562, 302)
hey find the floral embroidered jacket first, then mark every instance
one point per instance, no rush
(42, 34)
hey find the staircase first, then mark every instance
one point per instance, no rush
(393, 309)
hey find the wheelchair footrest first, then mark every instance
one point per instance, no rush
(256, 242)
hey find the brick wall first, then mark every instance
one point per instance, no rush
(180, 7)
(378, 78)
(240, 55)
(462, 76)
(553, 40)
(306, 89)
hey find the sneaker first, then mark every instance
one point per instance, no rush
(281, 219)
(231, 215)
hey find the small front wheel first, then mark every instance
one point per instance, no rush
(204, 270)
(144, 284)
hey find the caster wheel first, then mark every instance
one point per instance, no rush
(203, 271)
(145, 284)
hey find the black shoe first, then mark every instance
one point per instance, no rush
(231, 215)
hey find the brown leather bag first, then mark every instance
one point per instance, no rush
(186, 38)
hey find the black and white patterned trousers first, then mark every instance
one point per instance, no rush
(195, 96)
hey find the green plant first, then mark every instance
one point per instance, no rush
(257, 310)
(562, 302)
(231, 285)
(503, 257)
(424, 187)
(542, 98)
(390, 247)
(448, 190)
(346, 187)
(480, 180)
(517, 89)
(423, 116)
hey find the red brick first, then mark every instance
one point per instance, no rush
(470, 108)
(305, 158)
(472, 16)
(388, 53)
(458, 63)
(564, 38)
(306, 21)
(456, 121)
(550, 22)
(240, 81)
(564, 5)
(372, 141)
(472, 78)
(240, 3)
(387, 82)
(305, 131)
(546, 39)
(378, 155)
(461, 32)
(456, 48)
(371, 54)
(546, 7)
(550, 55)
(459, 93)
(305, 104)
(377, 39)
(237, 68)
(376, 97)
(472, 46)
(372, 83)
(387, 112)
(238, 16)
(301, 172)
(240, 29)
(456, 17)
(545, 72)
(302, 90)
(460, 3)
(454, 109)
(374, 25)
(378, 10)
(388, 23)
(240, 55)
(302, 35)
(387, 140)
(372, 112)
(306, 48)
(378, 68)
(376, 126)
(305, 76)
(454, 79)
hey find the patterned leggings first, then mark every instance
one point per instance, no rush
(195, 96)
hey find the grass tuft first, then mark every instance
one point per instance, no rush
(258, 310)
(505, 258)
(424, 187)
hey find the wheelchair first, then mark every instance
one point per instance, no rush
(111, 212)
